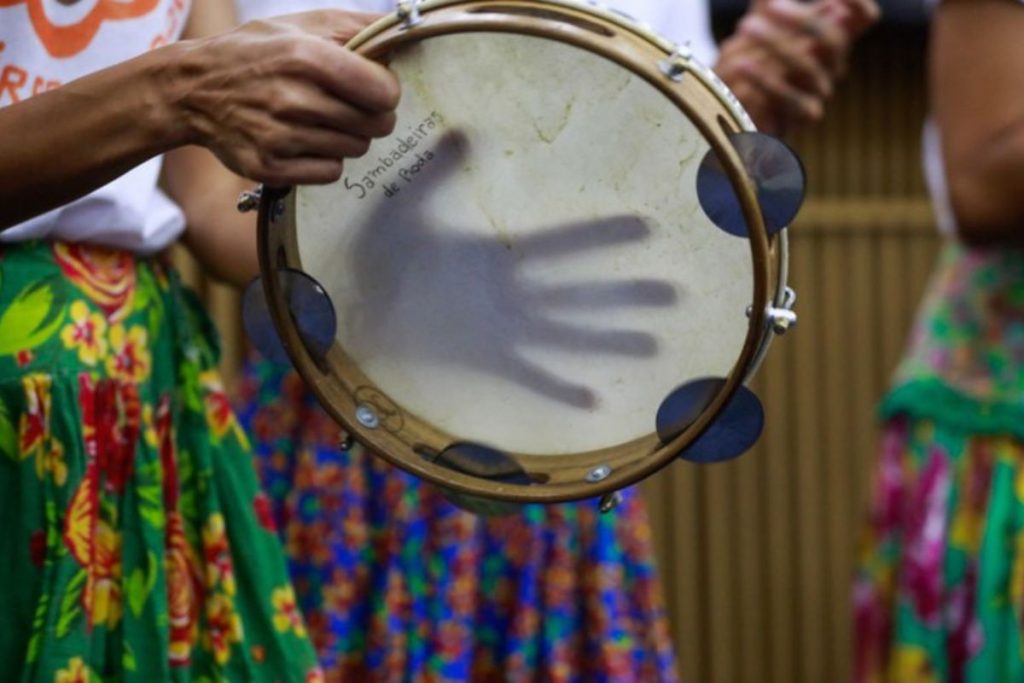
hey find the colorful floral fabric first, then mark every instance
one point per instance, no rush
(400, 586)
(939, 593)
(133, 549)
(968, 344)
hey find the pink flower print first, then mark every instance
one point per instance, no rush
(926, 539)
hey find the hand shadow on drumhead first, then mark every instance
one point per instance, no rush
(412, 298)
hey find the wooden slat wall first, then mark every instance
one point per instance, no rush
(756, 555)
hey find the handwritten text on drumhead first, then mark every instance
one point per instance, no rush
(402, 160)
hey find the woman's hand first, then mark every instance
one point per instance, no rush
(786, 55)
(253, 130)
(283, 101)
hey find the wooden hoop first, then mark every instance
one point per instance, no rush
(401, 437)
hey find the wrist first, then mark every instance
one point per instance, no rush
(169, 75)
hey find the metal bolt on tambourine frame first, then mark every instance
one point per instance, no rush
(781, 317)
(676, 65)
(345, 441)
(408, 12)
(249, 200)
(609, 502)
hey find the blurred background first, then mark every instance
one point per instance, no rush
(756, 556)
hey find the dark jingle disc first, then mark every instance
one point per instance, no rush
(487, 463)
(480, 506)
(259, 326)
(311, 311)
(778, 177)
(684, 405)
(732, 433)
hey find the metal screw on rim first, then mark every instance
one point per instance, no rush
(610, 501)
(782, 320)
(277, 210)
(409, 13)
(367, 416)
(676, 65)
(599, 473)
(249, 200)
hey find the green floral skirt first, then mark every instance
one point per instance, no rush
(939, 591)
(136, 545)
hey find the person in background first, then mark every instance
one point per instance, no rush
(939, 594)
(398, 584)
(133, 546)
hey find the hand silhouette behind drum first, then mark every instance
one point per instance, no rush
(439, 292)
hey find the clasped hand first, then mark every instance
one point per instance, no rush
(786, 55)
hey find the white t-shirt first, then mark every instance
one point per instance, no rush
(44, 43)
(682, 21)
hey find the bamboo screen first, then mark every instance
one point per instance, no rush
(756, 555)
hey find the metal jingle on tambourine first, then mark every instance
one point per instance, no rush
(487, 463)
(482, 507)
(777, 175)
(729, 436)
(310, 309)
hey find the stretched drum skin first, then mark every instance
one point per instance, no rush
(524, 263)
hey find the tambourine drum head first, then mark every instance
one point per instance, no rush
(524, 262)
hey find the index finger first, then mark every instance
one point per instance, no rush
(336, 25)
(353, 78)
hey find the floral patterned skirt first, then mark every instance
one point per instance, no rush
(400, 586)
(939, 594)
(134, 544)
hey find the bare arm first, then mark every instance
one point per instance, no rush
(977, 64)
(102, 125)
(281, 101)
(219, 237)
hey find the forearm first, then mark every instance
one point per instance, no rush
(97, 127)
(228, 252)
(986, 186)
(222, 239)
(981, 119)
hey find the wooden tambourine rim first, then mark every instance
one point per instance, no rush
(408, 442)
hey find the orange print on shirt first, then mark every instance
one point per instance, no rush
(67, 40)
